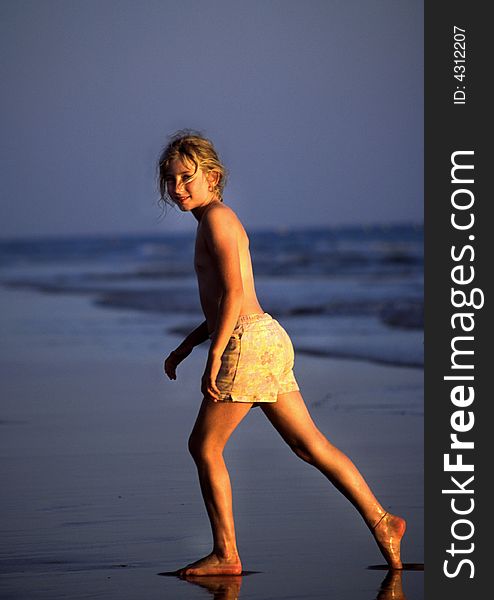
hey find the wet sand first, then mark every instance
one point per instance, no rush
(99, 495)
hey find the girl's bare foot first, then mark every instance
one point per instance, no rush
(388, 533)
(212, 564)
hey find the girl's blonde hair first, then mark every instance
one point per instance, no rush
(191, 146)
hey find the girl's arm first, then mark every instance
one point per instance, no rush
(221, 234)
(196, 337)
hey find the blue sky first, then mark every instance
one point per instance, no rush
(316, 108)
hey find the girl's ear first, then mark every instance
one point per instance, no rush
(213, 178)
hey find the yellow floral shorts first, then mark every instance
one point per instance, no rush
(257, 363)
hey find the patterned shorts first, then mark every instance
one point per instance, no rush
(257, 363)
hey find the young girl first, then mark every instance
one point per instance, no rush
(250, 361)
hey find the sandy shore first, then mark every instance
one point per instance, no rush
(100, 495)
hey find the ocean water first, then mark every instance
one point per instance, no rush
(354, 292)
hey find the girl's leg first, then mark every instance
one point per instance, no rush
(290, 417)
(215, 423)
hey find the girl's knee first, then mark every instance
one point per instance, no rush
(302, 451)
(203, 450)
(309, 449)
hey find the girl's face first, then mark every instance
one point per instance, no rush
(187, 187)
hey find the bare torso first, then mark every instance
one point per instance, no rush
(210, 290)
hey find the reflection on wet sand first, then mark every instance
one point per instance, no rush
(391, 587)
(222, 587)
(227, 587)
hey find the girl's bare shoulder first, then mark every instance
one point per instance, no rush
(222, 216)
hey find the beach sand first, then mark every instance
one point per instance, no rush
(99, 494)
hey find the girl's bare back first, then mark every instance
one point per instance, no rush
(220, 221)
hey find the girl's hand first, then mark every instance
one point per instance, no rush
(174, 359)
(208, 382)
